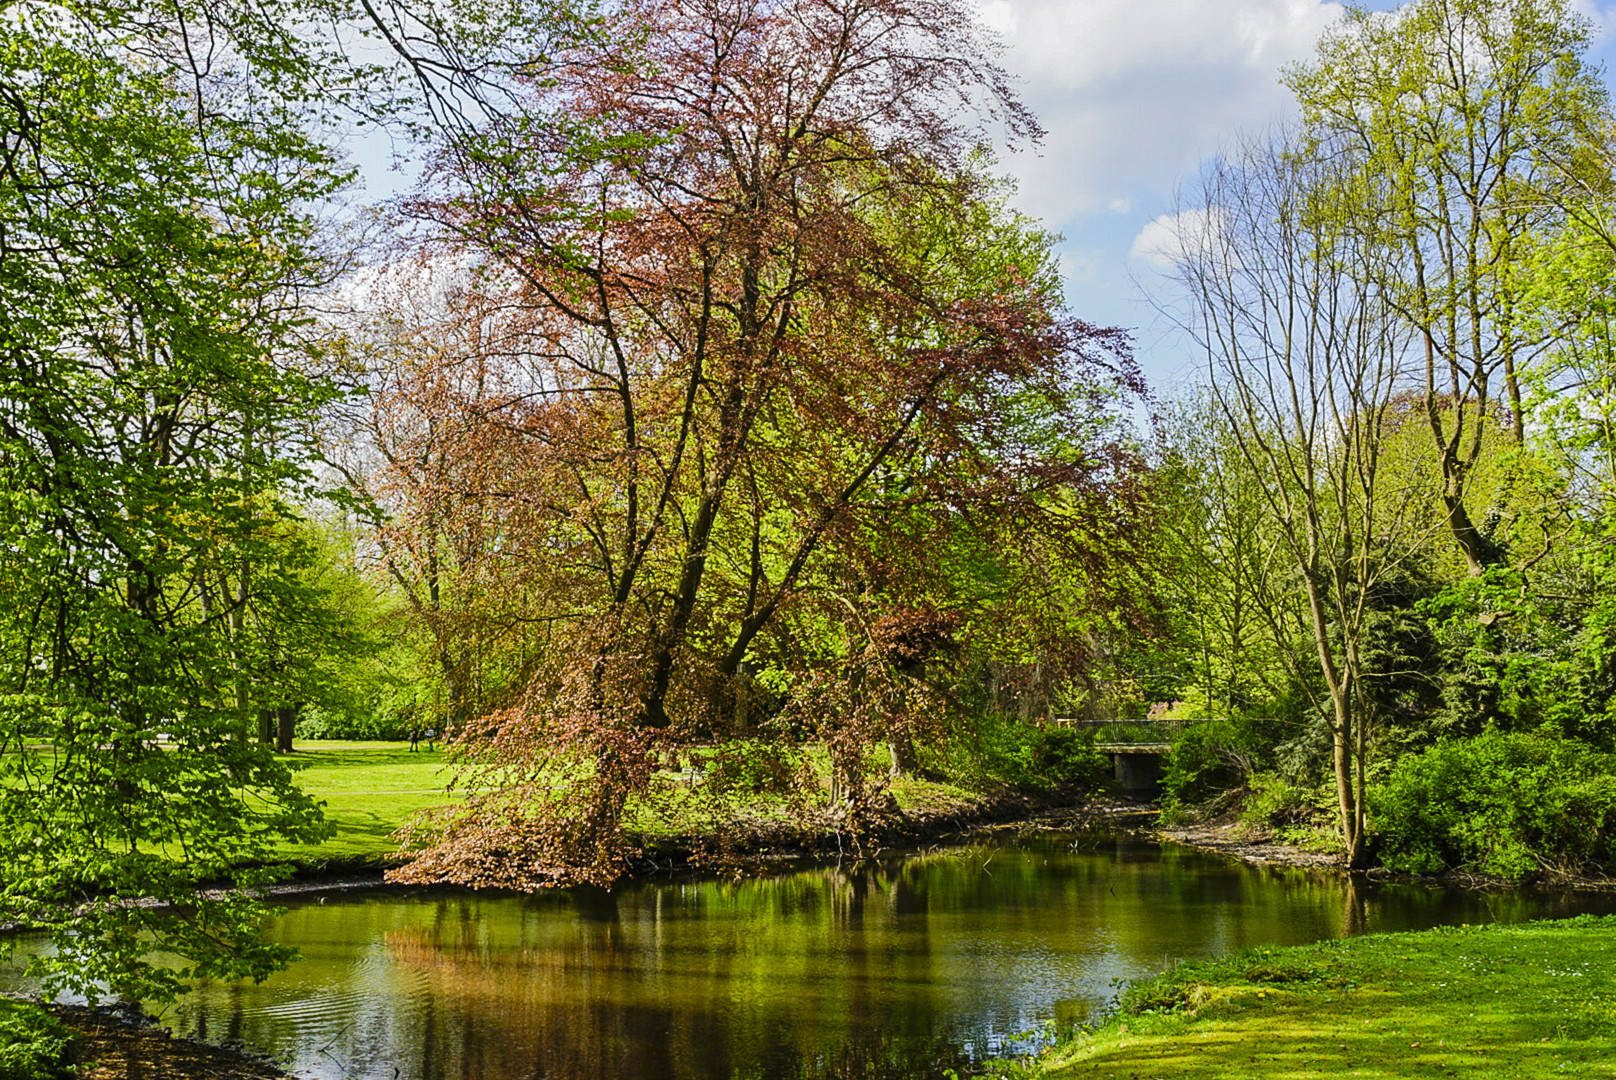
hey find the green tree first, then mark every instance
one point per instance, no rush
(734, 324)
(1306, 361)
(1232, 610)
(1460, 116)
(152, 408)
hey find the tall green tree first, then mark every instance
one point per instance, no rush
(1306, 361)
(1460, 115)
(153, 396)
(1225, 582)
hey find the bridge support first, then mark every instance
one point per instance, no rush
(1139, 774)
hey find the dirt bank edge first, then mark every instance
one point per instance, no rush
(1228, 838)
(753, 846)
(118, 1043)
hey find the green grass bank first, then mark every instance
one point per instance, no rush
(370, 789)
(1495, 1003)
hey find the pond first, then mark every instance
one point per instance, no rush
(901, 968)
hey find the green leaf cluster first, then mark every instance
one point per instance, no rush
(33, 1044)
(1509, 804)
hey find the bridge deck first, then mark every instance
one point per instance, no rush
(1134, 748)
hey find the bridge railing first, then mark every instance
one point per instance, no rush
(1123, 731)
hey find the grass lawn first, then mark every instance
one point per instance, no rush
(1496, 1002)
(369, 790)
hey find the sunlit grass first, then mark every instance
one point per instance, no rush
(1534, 1000)
(370, 789)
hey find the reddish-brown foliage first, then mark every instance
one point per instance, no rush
(749, 333)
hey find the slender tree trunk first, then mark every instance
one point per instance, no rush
(1346, 787)
(847, 776)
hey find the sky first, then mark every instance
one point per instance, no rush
(1133, 96)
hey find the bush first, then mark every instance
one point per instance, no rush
(1066, 757)
(1277, 803)
(1207, 759)
(33, 1043)
(1503, 803)
(1300, 814)
(1009, 751)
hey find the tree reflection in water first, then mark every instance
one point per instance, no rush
(900, 968)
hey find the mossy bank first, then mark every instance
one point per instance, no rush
(1495, 1002)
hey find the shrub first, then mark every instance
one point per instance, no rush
(33, 1043)
(1275, 802)
(1009, 751)
(1303, 815)
(992, 748)
(1503, 803)
(1066, 757)
(1207, 759)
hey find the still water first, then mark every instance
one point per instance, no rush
(900, 969)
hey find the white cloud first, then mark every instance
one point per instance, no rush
(1134, 93)
(1171, 238)
(1071, 46)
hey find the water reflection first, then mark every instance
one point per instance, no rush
(900, 969)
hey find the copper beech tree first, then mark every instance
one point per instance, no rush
(749, 351)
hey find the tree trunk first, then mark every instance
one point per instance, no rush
(1346, 792)
(845, 779)
(902, 750)
(285, 727)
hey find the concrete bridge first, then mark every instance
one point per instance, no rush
(1138, 749)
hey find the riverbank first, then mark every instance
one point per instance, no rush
(116, 1045)
(764, 847)
(1232, 839)
(72, 1042)
(1494, 1002)
(371, 790)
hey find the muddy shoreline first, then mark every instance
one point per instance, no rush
(119, 1043)
(1227, 838)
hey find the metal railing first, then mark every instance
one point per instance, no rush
(1122, 732)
